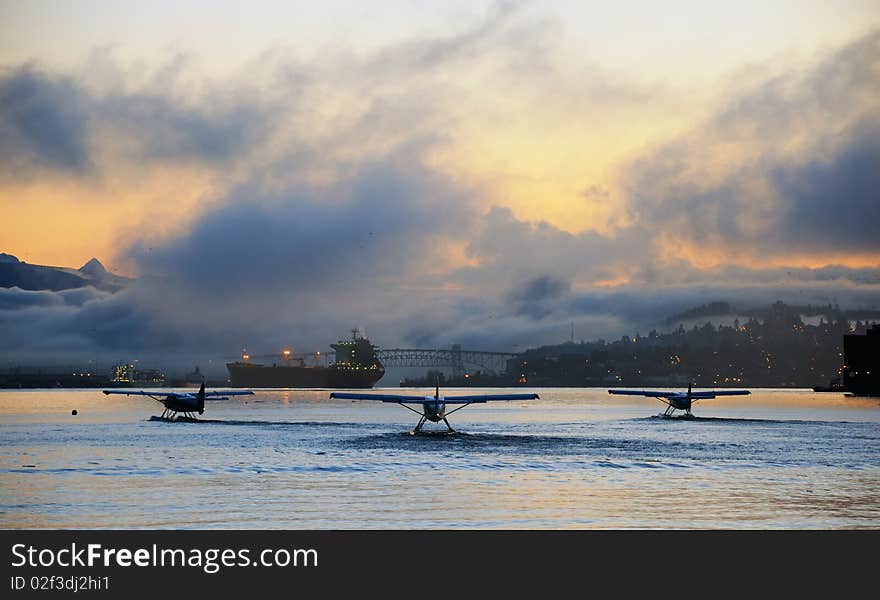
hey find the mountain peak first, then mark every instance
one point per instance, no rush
(94, 267)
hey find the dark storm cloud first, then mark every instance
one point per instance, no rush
(51, 123)
(164, 129)
(825, 202)
(833, 202)
(539, 296)
(826, 94)
(513, 253)
(43, 123)
(790, 168)
(374, 225)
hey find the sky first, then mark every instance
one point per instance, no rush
(484, 173)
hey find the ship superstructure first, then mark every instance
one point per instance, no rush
(356, 366)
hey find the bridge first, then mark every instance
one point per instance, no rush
(455, 357)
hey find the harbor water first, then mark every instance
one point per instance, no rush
(576, 458)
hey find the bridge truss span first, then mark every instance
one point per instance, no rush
(458, 359)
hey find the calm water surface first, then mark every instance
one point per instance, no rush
(577, 458)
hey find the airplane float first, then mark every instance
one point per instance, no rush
(182, 403)
(433, 407)
(679, 400)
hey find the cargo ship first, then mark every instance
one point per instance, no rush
(356, 366)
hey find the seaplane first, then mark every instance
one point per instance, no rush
(433, 407)
(182, 405)
(679, 400)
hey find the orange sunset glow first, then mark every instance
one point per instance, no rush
(443, 157)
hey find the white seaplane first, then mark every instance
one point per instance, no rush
(679, 400)
(433, 407)
(182, 403)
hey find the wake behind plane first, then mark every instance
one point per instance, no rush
(182, 403)
(433, 407)
(679, 400)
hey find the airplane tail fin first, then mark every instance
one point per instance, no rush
(437, 389)
(689, 389)
(201, 398)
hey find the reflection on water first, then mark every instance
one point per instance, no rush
(576, 458)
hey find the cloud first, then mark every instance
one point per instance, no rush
(787, 170)
(514, 255)
(53, 124)
(375, 224)
(159, 128)
(269, 267)
(831, 203)
(329, 205)
(16, 298)
(539, 295)
(43, 123)
(473, 42)
(304, 282)
(287, 111)
(62, 327)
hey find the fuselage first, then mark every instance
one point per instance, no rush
(680, 401)
(435, 410)
(183, 403)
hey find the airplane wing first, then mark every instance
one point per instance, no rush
(229, 393)
(667, 395)
(399, 399)
(710, 395)
(648, 393)
(479, 398)
(158, 396)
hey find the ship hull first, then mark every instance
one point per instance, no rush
(262, 376)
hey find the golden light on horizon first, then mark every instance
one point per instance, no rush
(553, 131)
(65, 221)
